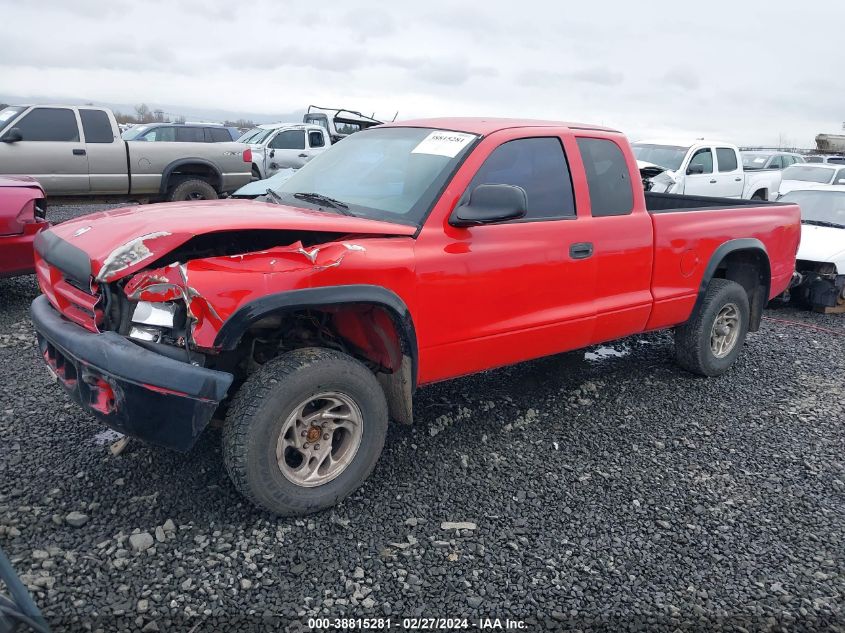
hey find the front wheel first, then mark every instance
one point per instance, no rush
(304, 431)
(710, 341)
(192, 190)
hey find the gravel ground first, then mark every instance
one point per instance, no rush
(604, 491)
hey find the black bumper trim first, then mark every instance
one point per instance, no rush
(153, 397)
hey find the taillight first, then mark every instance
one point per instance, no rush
(248, 155)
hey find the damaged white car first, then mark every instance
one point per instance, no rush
(821, 257)
(695, 167)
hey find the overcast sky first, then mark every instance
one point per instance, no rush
(751, 72)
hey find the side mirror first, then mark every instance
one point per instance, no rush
(489, 204)
(841, 181)
(694, 170)
(12, 136)
(272, 153)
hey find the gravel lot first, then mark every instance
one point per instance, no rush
(607, 491)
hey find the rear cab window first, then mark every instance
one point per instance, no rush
(539, 167)
(315, 139)
(726, 158)
(96, 126)
(608, 177)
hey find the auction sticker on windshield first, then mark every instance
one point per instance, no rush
(443, 143)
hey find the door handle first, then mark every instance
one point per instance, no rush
(581, 250)
(303, 155)
(738, 179)
(79, 152)
(713, 182)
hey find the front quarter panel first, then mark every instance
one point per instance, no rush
(216, 287)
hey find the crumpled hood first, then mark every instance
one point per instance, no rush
(822, 244)
(121, 241)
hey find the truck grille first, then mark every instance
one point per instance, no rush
(78, 304)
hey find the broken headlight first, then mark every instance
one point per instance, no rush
(156, 321)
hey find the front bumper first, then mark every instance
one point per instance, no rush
(133, 390)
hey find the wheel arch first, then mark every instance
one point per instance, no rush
(400, 344)
(201, 167)
(746, 262)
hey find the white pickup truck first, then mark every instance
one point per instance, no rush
(277, 146)
(703, 168)
(77, 151)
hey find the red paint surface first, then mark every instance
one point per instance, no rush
(479, 297)
(18, 224)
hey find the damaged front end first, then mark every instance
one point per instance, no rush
(819, 285)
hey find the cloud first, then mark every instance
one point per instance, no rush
(671, 67)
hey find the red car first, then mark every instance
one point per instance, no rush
(407, 254)
(22, 213)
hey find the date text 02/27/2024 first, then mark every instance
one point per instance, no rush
(415, 624)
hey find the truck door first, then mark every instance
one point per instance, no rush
(729, 175)
(50, 150)
(286, 150)
(500, 293)
(622, 240)
(699, 179)
(106, 151)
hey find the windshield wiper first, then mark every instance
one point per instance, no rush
(832, 225)
(319, 198)
(274, 197)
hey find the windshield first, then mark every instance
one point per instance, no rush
(392, 174)
(666, 156)
(806, 173)
(754, 160)
(819, 206)
(7, 115)
(256, 135)
(132, 133)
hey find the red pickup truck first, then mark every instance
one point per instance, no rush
(407, 254)
(22, 216)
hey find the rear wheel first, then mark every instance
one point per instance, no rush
(304, 431)
(710, 341)
(193, 189)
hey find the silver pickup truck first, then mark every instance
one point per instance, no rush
(77, 151)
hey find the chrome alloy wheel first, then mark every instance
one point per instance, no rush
(725, 331)
(319, 439)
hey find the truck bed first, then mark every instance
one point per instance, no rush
(673, 203)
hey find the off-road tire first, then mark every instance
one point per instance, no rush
(193, 189)
(258, 413)
(692, 339)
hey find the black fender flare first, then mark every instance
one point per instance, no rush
(240, 321)
(731, 246)
(167, 172)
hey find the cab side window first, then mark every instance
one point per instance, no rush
(727, 159)
(315, 139)
(539, 167)
(97, 127)
(190, 135)
(608, 178)
(702, 158)
(49, 124)
(289, 139)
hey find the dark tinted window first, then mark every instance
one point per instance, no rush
(727, 159)
(703, 157)
(49, 124)
(815, 159)
(539, 167)
(96, 125)
(217, 135)
(190, 135)
(836, 160)
(289, 139)
(608, 177)
(315, 139)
